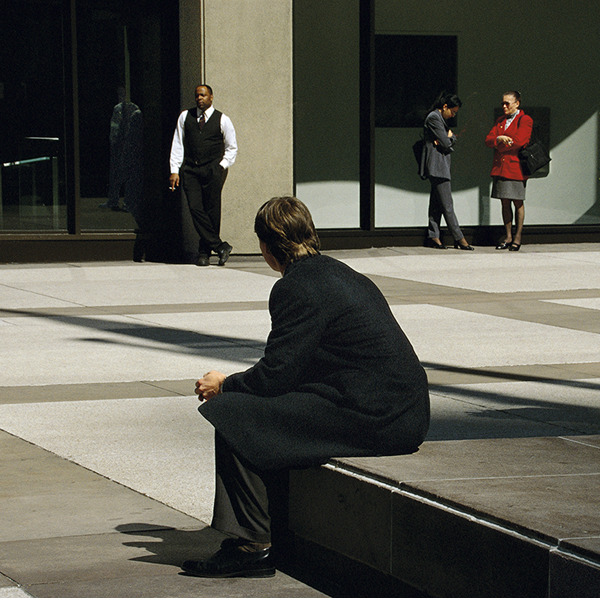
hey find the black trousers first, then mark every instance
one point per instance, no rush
(202, 187)
(248, 504)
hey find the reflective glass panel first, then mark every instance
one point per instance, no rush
(32, 187)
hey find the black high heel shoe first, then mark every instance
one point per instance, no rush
(461, 247)
(514, 247)
(504, 245)
(433, 244)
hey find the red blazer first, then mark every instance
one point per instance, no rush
(506, 158)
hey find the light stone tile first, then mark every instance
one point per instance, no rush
(592, 303)
(249, 326)
(467, 417)
(495, 273)
(120, 285)
(573, 407)
(13, 592)
(112, 348)
(18, 299)
(160, 447)
(451, 337)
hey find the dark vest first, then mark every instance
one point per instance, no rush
(206, 146)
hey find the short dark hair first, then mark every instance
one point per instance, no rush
(516, 95)
(447, 98)
(285, 225)
(206, 86)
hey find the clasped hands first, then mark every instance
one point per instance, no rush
(210, 385)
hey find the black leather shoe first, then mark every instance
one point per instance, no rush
(503, 246)
(461, 247)
(433, 244)
(203, 261)
(224, 251)
(514, 247)
(230, 561)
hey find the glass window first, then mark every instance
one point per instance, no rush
(410, 72)
(326, 110)
(32, 148)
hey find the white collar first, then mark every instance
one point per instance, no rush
(207, 113)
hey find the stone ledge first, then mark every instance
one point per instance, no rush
(493, 517)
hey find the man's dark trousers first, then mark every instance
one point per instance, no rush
(202, 186)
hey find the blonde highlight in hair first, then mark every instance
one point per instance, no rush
(285, 225)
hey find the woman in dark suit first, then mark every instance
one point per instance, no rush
(338, 378)
(509, 134)
(435, 166)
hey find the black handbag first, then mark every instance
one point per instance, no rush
(418, 148)
(534, 156)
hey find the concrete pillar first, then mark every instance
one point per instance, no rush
(243, 50)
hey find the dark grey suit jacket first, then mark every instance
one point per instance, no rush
(338, 376)
(436, 158)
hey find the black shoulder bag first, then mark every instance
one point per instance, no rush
(534, 155)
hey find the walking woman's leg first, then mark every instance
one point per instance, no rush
(447, 204)
(434, 211)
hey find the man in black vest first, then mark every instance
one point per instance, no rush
(204, 147)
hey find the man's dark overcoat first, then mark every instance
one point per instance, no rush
(338, 376)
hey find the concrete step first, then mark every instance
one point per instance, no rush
(497, 517)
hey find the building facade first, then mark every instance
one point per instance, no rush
(327, 97)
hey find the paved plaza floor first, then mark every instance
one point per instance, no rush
(106, 465)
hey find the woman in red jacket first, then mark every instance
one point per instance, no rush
(509, 134)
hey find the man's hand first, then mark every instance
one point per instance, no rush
(210, 385)
(173, 181)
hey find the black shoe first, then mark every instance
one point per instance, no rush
(514, 247)
(232, 562)
(433, 244)
(224, 251)
(139, 250)
(461, 247)
(503, 246)
(203, 261)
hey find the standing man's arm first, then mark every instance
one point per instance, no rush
(229, 138)
(176, 159)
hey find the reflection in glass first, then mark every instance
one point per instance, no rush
(126, 157)
(107, 129)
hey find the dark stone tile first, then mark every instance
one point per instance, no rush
(467, 459)
(177, 586)
(547, 507)
(145, 550)
(588, 440)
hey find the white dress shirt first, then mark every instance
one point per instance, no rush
(510, 119)
(227, 130)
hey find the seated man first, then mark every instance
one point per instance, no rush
(338, 378)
